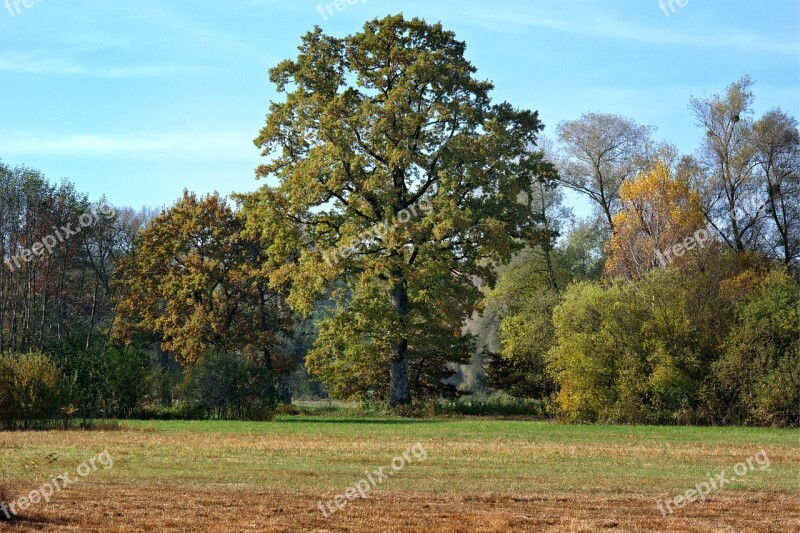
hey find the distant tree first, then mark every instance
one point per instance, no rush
(583, 253)
(659, 213)
(777, 145)
(197, 282)
(527, 293)
(599, 153)
(388, 149)
(526, 335)
(56, 253)
(749, 174)
(733, 196)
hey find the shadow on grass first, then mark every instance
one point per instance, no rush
(398, 421)
(33, 521)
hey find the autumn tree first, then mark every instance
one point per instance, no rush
(197, 283)
(733, 197)
(387, 140)
(661, 222)
(599, 152)
(527, 292)
(777, 153)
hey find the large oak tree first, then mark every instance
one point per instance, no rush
(375, 127)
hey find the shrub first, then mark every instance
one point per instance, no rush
(229, 386)
(103, 381)
(757, 379)
(500, 405)
(637, 351)
(31, 390)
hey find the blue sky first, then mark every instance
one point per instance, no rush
(139, 100)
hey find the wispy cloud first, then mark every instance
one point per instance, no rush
(212, 145)
(37, 63)
(592, 20)
(45, 63)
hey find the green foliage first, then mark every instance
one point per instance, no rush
(128, 382)
(497, 406)
(670, 349)
(526, 334)
(525, 297)
(585, 360)
(757, 379)
(581, 257)
(103, 381)
(31, 390)
(377, 125)
(229, 386)
(353, 348)
(634, 352)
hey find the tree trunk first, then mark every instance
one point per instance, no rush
(272, 389)
(398, 368)
(92, 316)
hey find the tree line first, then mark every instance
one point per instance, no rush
(675, 302)
(678, 301)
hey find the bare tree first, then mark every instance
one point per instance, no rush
(600, 152)
(777, 152)
(733, 195)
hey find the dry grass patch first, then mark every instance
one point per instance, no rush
(113, 509)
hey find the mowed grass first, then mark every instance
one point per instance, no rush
(464, 456)
(480, 475)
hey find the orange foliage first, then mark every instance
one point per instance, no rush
(661, 224)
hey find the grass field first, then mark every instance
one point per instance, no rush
(479, 475)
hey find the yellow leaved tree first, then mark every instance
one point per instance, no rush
(661, 223)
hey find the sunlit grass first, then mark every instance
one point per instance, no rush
(465, 456)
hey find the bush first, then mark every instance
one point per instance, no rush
(31, 391)
(228, 386)
(103, 381)
(757, 379)
(496, 406)
(637, 351)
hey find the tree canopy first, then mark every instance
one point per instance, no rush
(196, 283)
(387, 139)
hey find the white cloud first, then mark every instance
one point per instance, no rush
(204, 145)
(592, 20)
(41, 62)
(37, 63)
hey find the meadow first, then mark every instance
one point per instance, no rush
(478, 475)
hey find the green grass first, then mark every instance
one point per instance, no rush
(465, 456)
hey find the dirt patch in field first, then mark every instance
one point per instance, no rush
(116, 508)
